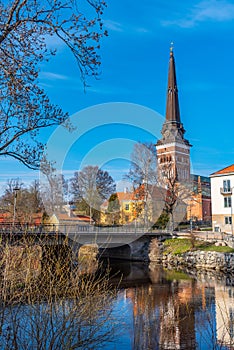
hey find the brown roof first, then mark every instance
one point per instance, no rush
(4, 217)
(229, 169)
(77, 218)
(127, 196)
(36, 218)
(124, 196)
(104, 205)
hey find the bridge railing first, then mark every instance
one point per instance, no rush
(70, 228)
(93, 229)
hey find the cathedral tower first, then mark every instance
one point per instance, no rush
(173, 150)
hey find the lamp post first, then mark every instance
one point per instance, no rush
(15, 189)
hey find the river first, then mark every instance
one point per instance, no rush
(162, 309)
(153, 309)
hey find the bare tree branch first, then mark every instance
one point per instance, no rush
(25, 26)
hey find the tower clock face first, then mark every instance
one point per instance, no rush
(167, 133)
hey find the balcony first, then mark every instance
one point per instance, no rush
(225, 191)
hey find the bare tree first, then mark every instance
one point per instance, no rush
(92, 186)
(143, 175)
(21, 202)
(166, 197)
(143, 165)
(25, 26)
(176, 194)
(14, 187)
(35, 197)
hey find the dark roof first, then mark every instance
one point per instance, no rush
(172, 107)
(73, 219)
(195, 178)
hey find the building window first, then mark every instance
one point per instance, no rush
(126, 206)
(228, 220)
(126, 218)
(226, 186)
(227, 202)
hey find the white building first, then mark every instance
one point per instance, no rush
(222, 199)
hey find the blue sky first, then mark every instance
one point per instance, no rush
(134, 69)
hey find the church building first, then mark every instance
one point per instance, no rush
(173, 154)
(173, 150)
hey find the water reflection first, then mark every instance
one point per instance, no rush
(171, 310)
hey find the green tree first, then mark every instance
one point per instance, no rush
(25, 27)
(162, 221)
(113, 210)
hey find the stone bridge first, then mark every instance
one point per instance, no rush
(132, 242)
(123, 242)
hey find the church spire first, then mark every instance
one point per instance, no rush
(172, 107)
(173, 150)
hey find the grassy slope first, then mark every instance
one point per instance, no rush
(180, 246)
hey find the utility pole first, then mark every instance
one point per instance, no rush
(15, 189)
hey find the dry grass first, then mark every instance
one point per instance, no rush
(47, 302)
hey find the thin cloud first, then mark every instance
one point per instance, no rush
(54, 42)
(19, 174)
(211, 10)
(142, 30)
(119, 27)
(53, 76)
(113, 25)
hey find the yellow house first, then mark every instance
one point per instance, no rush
(130, 205)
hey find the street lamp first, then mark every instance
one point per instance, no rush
(15, 189)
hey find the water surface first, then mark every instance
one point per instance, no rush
(162, 309)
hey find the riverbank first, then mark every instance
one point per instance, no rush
(200, 260)
(183, 254)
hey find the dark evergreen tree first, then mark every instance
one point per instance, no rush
(113, 210)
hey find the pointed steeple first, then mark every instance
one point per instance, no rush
(172, 107)
(173, 150)
(173, 129)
